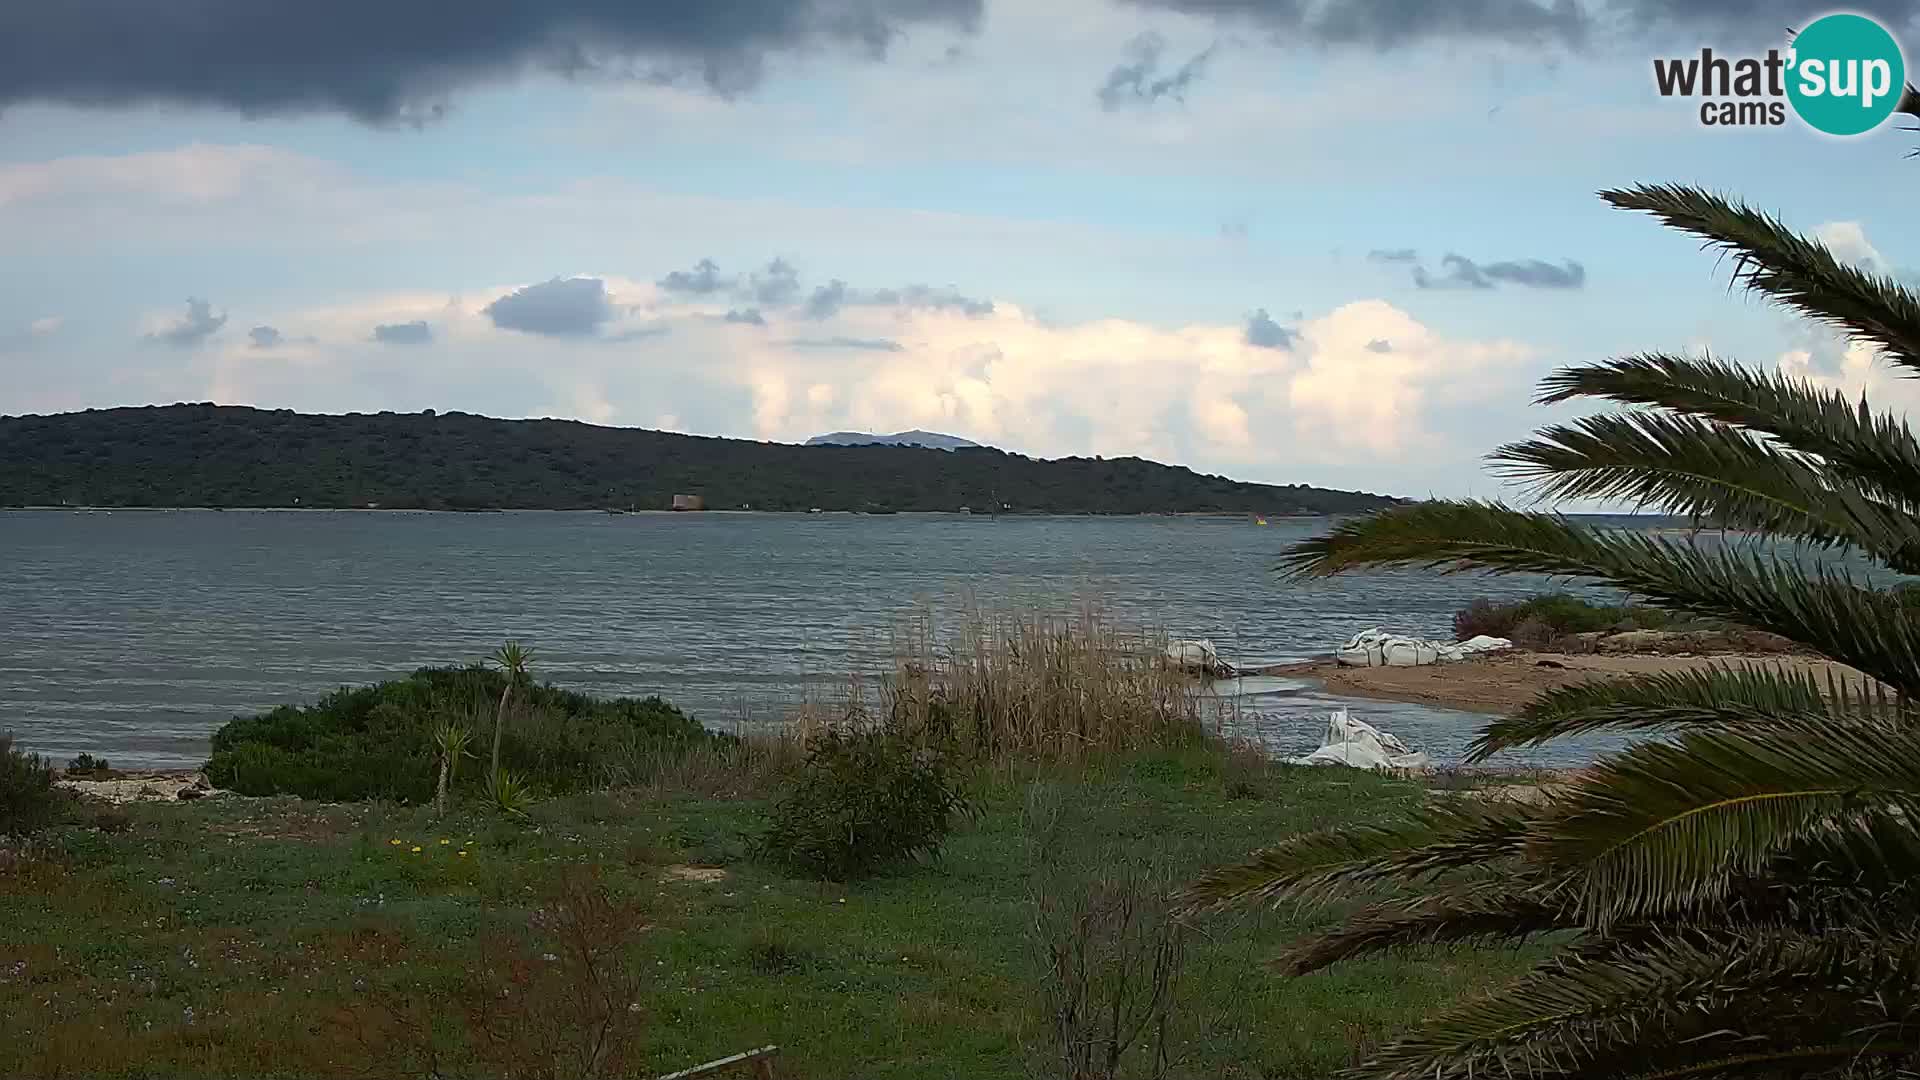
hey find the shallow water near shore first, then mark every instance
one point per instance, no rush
(134, 634)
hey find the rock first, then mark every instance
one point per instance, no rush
(1548, 663)
(193, 793)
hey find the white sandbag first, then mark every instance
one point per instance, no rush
(1193, 654)
(1377, 648)
(1198, 656)
(1359, 745)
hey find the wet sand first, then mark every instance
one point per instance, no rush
(1501, 683)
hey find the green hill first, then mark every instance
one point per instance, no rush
(231, 456)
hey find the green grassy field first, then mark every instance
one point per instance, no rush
(270, 937)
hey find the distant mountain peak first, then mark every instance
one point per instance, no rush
(931, 440)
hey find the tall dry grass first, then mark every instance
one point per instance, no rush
(1023, 684)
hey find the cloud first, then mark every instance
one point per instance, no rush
(1393, 255)
(1746, 21)
(1137, 80)
(874, 344)
(45, 327)
(382, 63)
(704, 278)
(746, 317)
(1460, 272)
(1848, 242)
(196, 326)
(417, 332)
(777, 285)
(562, 307)
(264, 337)
(1388, 24)
(827, 300)
(1327, 407)
(1264, 333)
(1380, 345)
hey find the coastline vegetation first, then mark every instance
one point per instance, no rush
(205, 455)
(1020, 795)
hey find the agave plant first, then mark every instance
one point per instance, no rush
(508, 793)
(451, 740)
(1737, 896)
(514, 660)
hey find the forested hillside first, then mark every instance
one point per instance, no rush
(232, 456)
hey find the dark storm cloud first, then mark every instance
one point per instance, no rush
(1460, 272)
(1393, 255)
(406, 333)
(872, 344)
(1386, 24)
(747, 317)
(1390, 24)
(264, 337)
(704, 278)
(1742, 22)
(562, 307)
(1380, 345)
(1137, 80)
(382, 61)
(1263, 332)
(196, 326)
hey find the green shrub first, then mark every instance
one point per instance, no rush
(88, 765)
(1549, 616)
(378, 741)
(28, 800)
(865, 800)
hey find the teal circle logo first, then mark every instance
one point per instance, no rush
(1845, 74)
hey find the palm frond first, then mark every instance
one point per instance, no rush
(1792, 270)
(1665, 827)
(1493, 913)
(1425, 846)
(1816, 606)
(1698, 468)
(1748, 695)
(1732, 1003)
(1877, 450)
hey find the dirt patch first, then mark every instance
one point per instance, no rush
(704, 874)
(144, 787)
(1501, 683)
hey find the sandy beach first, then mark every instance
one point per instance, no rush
(1503, 682)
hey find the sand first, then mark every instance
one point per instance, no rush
(1501, 683)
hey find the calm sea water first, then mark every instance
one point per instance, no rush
(134, 634)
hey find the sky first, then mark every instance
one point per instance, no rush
(1334, 242)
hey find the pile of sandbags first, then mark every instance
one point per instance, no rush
(1377, 648)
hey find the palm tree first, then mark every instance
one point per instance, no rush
(513, 660)
(1741, 896)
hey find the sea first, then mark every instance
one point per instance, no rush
(134, 634)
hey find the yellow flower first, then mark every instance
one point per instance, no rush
(395, 843)
(463, 854)
(446, 841)
(416, 849)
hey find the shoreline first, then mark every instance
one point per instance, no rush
(1500, 684)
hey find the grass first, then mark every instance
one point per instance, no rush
(1539, 620)
(274, 937)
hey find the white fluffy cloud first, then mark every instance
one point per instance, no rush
(1196, 393)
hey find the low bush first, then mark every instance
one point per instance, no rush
(28, 800)
(378, 741)
(1549, 616)
(88, 765)
(866, 799)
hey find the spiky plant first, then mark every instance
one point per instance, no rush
(513, 659)
(450, 739)
(1741, 896)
